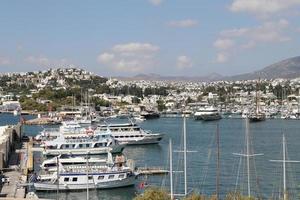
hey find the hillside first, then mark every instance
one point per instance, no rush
(288, 68)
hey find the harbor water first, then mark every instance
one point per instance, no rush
(265, 176)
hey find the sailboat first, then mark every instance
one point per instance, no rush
(284, 161)
(257, 116)
(248, 155)
(185, 151)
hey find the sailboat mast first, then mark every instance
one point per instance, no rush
(218, 163)
(185, 155)
(171, 169)
(87, 177)
(248, 157)
(284, 167)
(57, 178)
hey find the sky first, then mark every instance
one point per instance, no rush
(166, 37)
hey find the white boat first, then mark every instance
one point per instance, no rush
(88, 177)
(80, 144)
(67, 161)
(207, 114)
(131, 133)
(139, 118)
(126, 133)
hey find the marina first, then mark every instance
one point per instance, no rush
(265, 137)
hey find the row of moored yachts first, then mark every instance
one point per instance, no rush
(73, 156)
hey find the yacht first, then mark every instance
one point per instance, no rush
(82, 143)
(51, 164)
(131, 133)
(73, 177)
(207, 114)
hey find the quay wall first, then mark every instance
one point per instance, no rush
(10, 140)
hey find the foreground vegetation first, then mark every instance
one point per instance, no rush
(161, 194)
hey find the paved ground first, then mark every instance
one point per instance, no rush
(11, 188)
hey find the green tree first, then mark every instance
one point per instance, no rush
(153, 194)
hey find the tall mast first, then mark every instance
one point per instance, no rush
(284, 161)
(185, 155)
(87, 177)
(248, 156)
(171, 169)
(257, 97)
(218, 163)
(283, 166)
(57, 178)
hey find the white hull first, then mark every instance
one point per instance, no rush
(145, 140)
(84, 151)
(105, 185)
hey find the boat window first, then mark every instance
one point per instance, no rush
(87, 145)
(74, 179)
(67, 146)
(100, 177)
(121, 175)
(111, 176)
(90, 177)
(73, 145)
(80, 145)
(66, 179)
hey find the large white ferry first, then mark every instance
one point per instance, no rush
(131, 133)
(207, 114)
(88, 142)
(125, 133)
(74, 177)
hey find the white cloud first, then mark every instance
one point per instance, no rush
(267, 32)
(186, 23)
(184, 62)
(224, 44)
(38, 60)
(129, 57)
(135, 47)
(105, 57)
(222, 58)
(44, 61)
(263, 7)
(156, 2)
(249, 37)
(5, 61)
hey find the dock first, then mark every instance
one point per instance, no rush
(151, 171)
(42, 121)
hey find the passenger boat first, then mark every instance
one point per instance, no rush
(207, 114)
(131, 134)
(82, 143)
(74, 177)
(69, 160)
(125, 133)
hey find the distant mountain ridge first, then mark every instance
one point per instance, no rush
(288, 69)
(157, 77)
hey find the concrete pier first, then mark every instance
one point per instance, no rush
(10, 141)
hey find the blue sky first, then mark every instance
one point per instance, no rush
(168, 37)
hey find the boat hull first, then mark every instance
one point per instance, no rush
(92, 151)
(145, 140)
(130, 181)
